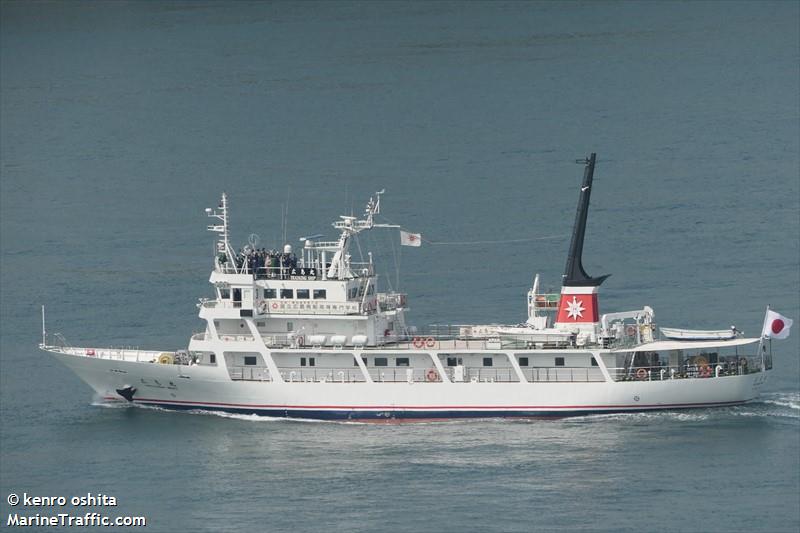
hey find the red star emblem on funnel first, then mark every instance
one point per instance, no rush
(575, 309)
(580, 308)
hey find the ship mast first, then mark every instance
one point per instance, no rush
(225, 258)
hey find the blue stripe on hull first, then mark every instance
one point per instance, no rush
(384, 416)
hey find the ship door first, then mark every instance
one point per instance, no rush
(237, 297)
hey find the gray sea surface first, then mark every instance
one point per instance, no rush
(121, 121)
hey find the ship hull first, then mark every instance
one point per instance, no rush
(180, 387)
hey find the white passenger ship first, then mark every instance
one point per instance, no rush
(308, 335)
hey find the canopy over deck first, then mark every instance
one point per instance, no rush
(661, 346)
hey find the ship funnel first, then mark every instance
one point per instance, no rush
(574, 274)
(578, 305)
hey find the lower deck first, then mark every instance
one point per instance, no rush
(452, 366)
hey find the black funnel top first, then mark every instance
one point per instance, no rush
(574, 274)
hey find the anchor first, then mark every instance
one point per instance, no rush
(127, 392)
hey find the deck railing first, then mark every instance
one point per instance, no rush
(743, 366)
(563, 374)
(249, 373)
(322, 374)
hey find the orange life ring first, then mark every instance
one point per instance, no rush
(418, 342)
(430, 342)
(432, 375)
(705, 371)
(90, 352)
(641, 373)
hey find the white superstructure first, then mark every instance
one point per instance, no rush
(306, 333)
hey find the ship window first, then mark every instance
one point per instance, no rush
(559, 361)
(302, 294)
(302, 361)
(401, 361)
(260, 324)
(381, 361)
(249, 360)
(287, 293)
(319, 294)
(353, 293)
(355, 361)
(269, 294)
(487, 361)
(212, 358)
(452, 361)
(225, 294)
(371, 289)
(523, 361)
(311, 361)
(594, 361)
(290, 326)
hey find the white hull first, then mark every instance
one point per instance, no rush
(205, 388)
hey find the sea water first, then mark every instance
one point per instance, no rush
(121, 122)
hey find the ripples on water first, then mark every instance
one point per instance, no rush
(121, 121)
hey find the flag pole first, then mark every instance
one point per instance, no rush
(761, 339)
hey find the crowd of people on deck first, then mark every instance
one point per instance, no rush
(262, 262)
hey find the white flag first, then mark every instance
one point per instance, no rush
(410, 239)
(776, 326)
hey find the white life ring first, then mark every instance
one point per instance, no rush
(432, 375)
(430, 342)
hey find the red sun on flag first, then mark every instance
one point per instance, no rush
(777, 326)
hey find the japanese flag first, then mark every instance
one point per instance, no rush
(410, 239)
(776, 326)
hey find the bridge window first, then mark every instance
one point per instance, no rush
(287, 293)
(401, 361)
(269, 294)
(311, 361)
(319, 294)
(487, 361)
(302, 361)
(594, 361)
(302, 294)
(212, 358)
(381, 361)
(225, 294)
(250, 360)
(559, 361)
(523, 361)
(454, 361)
